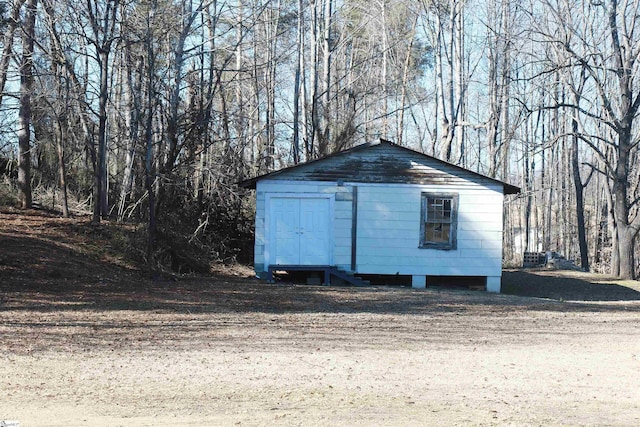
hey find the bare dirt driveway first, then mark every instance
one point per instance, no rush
(84, 341)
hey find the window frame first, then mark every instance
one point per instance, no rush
(452, 244)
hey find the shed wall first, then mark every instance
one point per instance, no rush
(388, 234)
(388, 227)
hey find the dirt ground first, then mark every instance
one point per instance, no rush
(86, 339)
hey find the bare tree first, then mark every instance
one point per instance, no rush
(24, 116)
(60, 132)
(613, 89)
(103, 21)
(7, 43)
(499, 52)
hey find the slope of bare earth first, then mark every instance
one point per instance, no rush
(86, 339)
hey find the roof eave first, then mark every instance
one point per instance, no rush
(510, 189)
(250, 183)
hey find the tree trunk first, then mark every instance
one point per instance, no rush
(103, 28)
(132, 121)
(405, 78)
(75, 86)
(241, 116)
(613, 230)
(60, 136)
(24, 115)
(384, 71)
(493, 120)
(187, 17)
(626, 232)
(149, 154)
(314, 76)
(323, 130)
(459, 67)
(101, 210)
(527, 208)
(61, 124)
(626, 243)
(298, 78)
(577, 182)
(7, 43)
(271, 31)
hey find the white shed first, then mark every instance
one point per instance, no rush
(380, 209)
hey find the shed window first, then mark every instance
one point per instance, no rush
(439, 221)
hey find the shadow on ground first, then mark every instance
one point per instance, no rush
(565, 286)
(226, 294)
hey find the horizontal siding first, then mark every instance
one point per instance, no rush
(372, 244)
(343, 213)
(259, 233)
(409, 253)
(435, 270)
(258, 258)
(389, 232)
(342, 223)
(491, 192)
(486, 200)
(388, 215)
(396, 263)
(259, 246)
(495, 243)
(470, 225)
(342, 237)
(467, 213)
(342, 253)
(467, 253)
(398, 206)
(288, 187)
(484, 235)
(469, 244)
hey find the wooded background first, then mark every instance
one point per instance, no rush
(150, 112)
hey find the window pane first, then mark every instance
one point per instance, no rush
(438, 221)
(438, 210)
(437, 233)
(429, 232)
(447, 209)
(445, 233)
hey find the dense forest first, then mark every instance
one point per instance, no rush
(150, 112)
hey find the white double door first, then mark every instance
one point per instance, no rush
(300, 231)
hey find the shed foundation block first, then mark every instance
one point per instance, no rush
(493, 284)
(419, 282)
